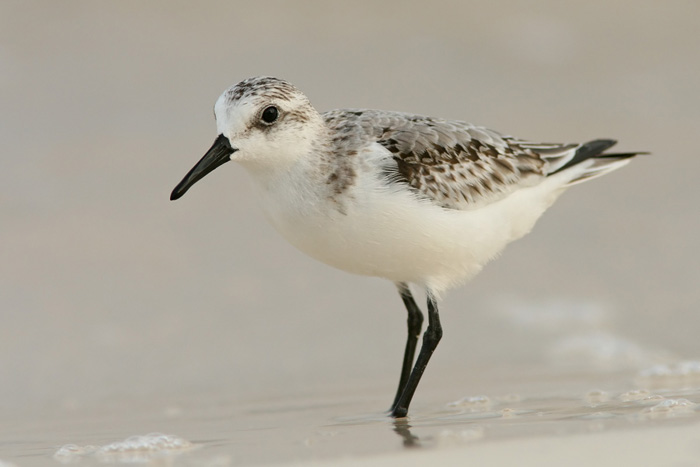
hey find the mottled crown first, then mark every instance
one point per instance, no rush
(266, 87)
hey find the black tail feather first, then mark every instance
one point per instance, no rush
(622, 155)
(590, 149)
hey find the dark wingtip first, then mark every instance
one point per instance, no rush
(594, 148)
(590, 149)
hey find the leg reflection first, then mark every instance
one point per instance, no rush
(403, 429)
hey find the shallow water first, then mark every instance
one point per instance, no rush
(218, 430)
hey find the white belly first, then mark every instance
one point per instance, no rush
(392, 235)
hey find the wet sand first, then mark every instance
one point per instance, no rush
(550, 419)
(125, 314)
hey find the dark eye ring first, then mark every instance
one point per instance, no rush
(270, 114)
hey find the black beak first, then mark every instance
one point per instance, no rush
(218, 154)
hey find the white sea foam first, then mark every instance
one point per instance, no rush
(634, 395)
(142, 448)
(555, 315)
(596, 397)
(680, 374)
(473, 403)
(458, 437)
(603, 350)
(669, 408)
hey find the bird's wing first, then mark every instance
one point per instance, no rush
(453, 164)
(462, 166)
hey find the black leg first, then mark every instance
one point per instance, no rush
(430, 341)
(415, 323)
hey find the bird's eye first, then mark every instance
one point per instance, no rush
(270, 114)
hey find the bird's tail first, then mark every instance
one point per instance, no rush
(586, 161)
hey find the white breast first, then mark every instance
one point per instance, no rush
(387, 232)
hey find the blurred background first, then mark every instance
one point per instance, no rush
(108, 289)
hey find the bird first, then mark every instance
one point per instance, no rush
(420, 201)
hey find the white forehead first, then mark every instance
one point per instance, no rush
(231, 115)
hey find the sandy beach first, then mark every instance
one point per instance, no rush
(125, 314)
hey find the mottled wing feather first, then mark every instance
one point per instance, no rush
(454, 164)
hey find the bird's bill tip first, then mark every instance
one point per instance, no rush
(176, 194)
(218, 154)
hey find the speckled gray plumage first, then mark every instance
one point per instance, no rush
(454, 164)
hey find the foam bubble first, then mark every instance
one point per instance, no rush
(634, 395)
(669, 408)
(601, 349)
(147, 443)
(141, 448)
(472, 403)
(596, 397)
(680, 374)
(456, 438)
(556, 315)
(73, 452)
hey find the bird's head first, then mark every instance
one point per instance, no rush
(264, 123)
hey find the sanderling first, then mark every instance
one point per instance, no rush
(413, 199)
